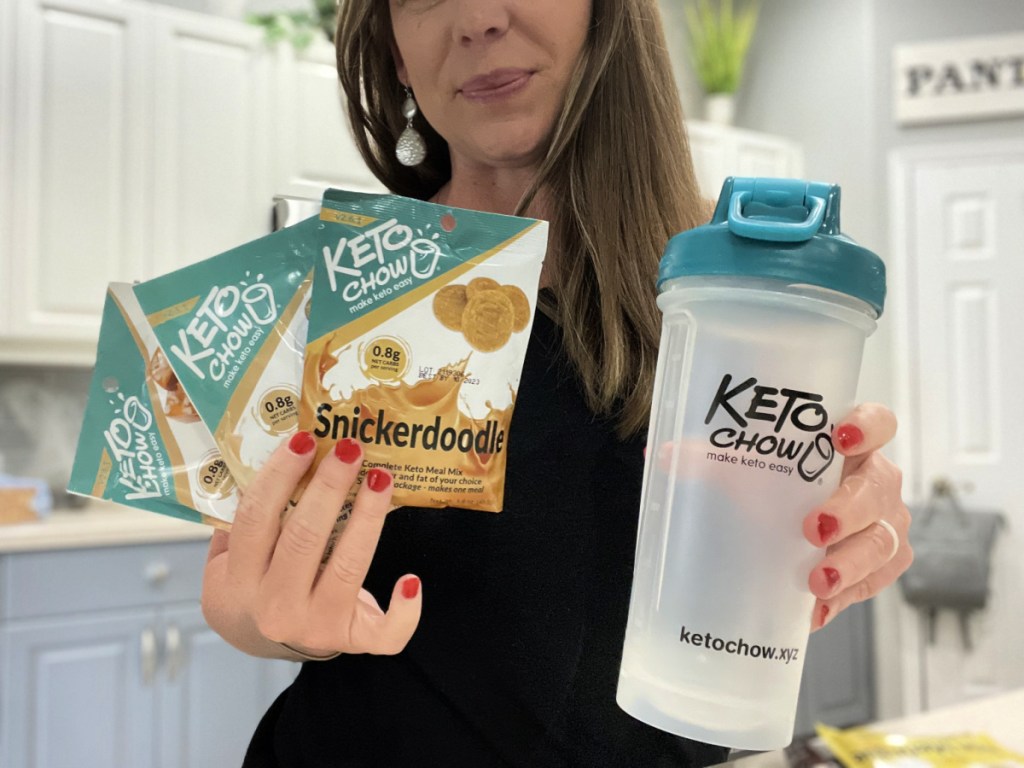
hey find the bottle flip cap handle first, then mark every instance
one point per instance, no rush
(762, 209)
(778, 229)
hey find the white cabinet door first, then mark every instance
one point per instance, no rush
(78, 192)
(212, 695)
(7, 37)
(74, 693)
(720, 151)
(316, 149)
(212, 152)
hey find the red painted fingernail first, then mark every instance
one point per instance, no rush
(831, 576)
(410, 588)
(348, 450)
(824, 614)
(849, 436)
(828, 526)
(301, 443)
(378, 479)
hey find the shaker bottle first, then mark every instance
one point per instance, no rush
(766, 309)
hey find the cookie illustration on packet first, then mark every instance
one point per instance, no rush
(486, 312)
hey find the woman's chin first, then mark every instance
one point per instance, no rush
(508, 149)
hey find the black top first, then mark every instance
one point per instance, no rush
(515, 660)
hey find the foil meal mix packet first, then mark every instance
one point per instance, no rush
(142, 443)
(418, 328)
(233, 329)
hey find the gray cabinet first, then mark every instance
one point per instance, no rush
(105, 661)
(837, 687)
(211, 696)
(72, 695)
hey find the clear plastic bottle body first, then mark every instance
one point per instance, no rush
(751, 379)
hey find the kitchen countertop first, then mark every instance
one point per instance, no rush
(1000, 716)
(98, 524)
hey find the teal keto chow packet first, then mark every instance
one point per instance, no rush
(233, 329)
(142, 443)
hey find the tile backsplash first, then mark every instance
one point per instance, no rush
(41, 412)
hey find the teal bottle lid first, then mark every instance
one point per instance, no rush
(785, 229)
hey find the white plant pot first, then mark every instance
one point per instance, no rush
(720, 108)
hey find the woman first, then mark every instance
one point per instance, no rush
(565, 111)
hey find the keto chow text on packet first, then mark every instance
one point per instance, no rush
(233, 329)
(418, 328)
(142, 443)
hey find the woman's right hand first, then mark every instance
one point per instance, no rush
(263, 584)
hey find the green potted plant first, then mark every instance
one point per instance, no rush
(298, 27)
(719, 40)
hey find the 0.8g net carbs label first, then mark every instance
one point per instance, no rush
(418, 329)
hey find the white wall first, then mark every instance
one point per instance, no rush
(675, 34)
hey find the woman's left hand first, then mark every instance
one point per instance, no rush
(863, 525)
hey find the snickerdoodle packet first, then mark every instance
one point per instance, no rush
(419, 322)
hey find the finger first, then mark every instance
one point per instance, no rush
(347, 566)
(388, 634)
(857, 558)
(863, 430)
(861, 499)
(257, 520)
(300, 547)
(213, 599)
(218, 544)
(825, 610)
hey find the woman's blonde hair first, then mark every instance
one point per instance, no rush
(617, 177)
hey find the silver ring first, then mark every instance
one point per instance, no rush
(893, 535)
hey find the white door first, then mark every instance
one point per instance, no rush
(959, 263)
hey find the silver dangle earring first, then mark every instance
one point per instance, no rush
(411, 149)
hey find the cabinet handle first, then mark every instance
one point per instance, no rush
(147, 647)
(174, 651)
(157, 573)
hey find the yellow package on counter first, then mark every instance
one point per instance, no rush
(864, 748)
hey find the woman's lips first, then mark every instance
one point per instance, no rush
(499, 84)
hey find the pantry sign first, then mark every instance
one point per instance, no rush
(971, 78)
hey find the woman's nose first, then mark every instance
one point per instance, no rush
(481, 21)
